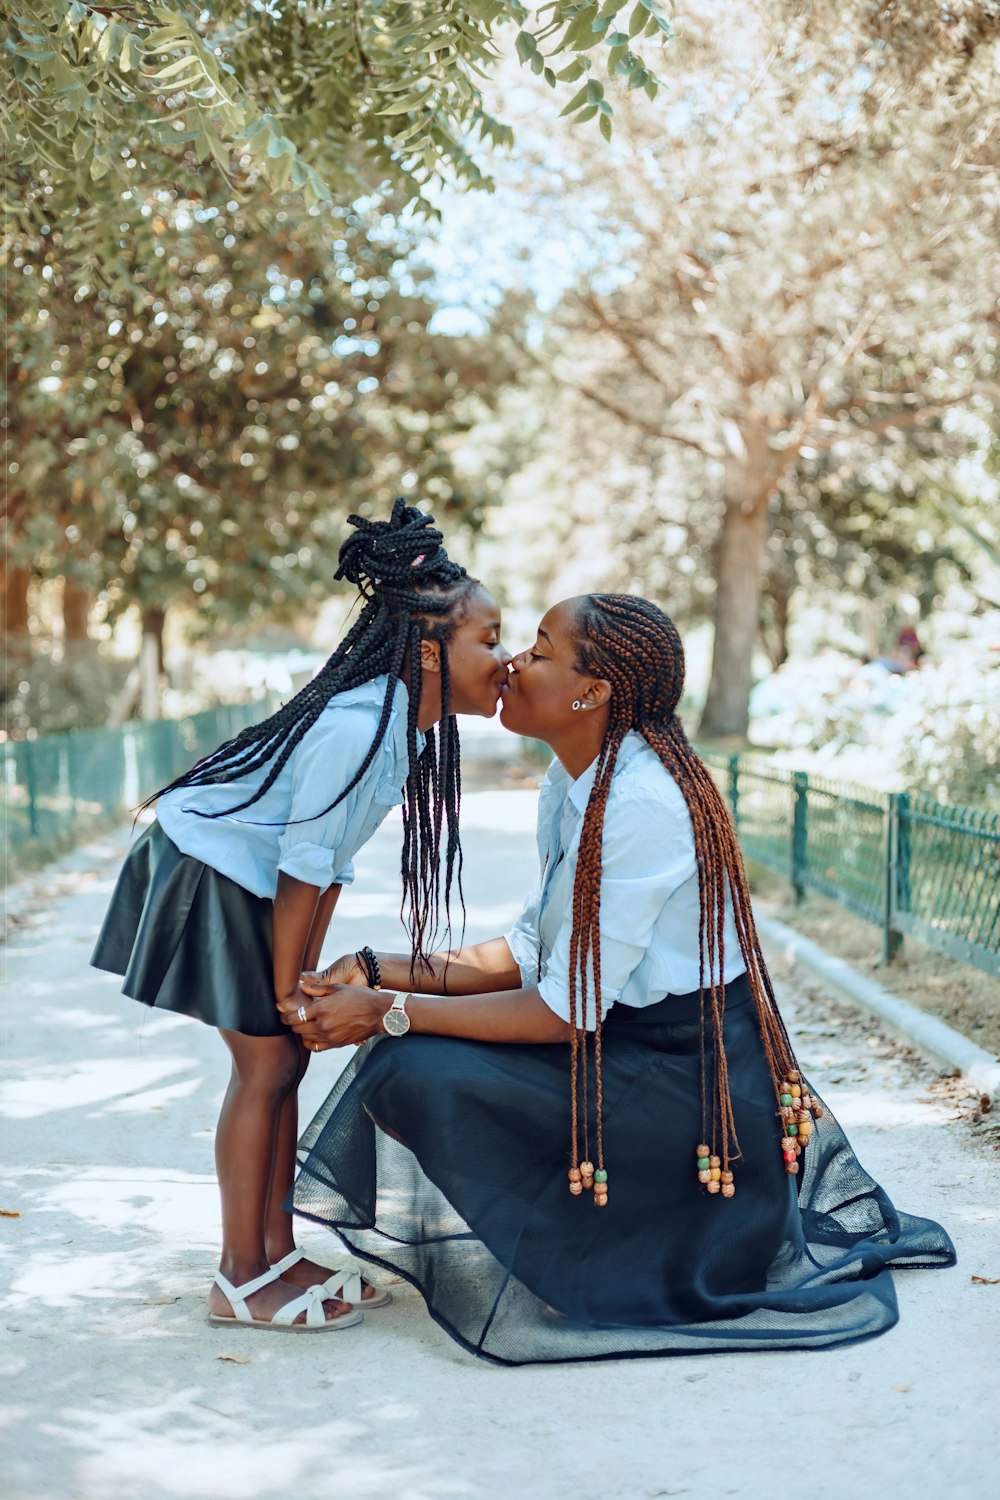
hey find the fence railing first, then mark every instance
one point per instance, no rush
(898, 859)
(59, 782)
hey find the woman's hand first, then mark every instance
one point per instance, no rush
(345, 970)
(348, 1014)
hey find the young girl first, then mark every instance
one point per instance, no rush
(226, 898)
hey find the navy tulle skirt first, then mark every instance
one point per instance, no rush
(445, 1161)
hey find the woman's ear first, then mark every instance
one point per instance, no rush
(598, 693)
(430, 656)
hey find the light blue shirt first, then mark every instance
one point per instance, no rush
(253, 845)
(649, 889)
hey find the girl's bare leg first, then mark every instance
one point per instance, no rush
(265, 1071)
(279, 1236)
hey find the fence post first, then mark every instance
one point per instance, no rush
(800, 813)
(892, 938)
(32, 781)
(734, 789)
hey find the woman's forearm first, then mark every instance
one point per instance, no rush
(474, 970)
(521, 1016)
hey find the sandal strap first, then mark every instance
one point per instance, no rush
(236, 1295)
(344, 1283)
(288, 1261)
(311, 1303)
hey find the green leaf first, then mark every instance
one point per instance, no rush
(605, 124)
(576, 69)
(580, 97)
(77, 13)
(526, 46)
(638, 20)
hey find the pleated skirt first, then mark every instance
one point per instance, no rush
(190, 940)
(445, 1162)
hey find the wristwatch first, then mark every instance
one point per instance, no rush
(395, 1021)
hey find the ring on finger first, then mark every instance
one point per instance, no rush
(302, 1013)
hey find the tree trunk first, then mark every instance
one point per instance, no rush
(75, 612)
(739, 571)
(15, 601)
(151, 661)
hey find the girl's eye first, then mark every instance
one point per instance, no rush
(535, 656)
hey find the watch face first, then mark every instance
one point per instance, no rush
(396, 1022)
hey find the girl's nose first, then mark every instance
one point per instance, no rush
(505, 656)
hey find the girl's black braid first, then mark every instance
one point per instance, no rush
(404, 576)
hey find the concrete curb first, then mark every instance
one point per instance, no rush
(934, 1038)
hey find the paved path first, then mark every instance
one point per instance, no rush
(115, 1387)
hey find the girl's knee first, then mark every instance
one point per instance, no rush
(266, 1065)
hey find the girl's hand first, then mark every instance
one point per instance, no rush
(349, 1014)
(345, 970)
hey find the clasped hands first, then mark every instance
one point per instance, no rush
(339, 1007)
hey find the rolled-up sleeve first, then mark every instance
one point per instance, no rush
(648, 852)
(311, 848)
(523, 941)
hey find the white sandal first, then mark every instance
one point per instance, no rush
(345, 1283)
(310, 1302)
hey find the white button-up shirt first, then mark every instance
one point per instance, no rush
(287, 828)
(649, 889)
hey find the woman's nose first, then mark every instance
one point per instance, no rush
(505, 655)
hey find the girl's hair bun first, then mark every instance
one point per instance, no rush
(401, 554)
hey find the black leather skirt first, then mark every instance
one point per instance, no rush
(188, 939)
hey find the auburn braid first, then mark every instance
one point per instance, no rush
(636, 648)
(411, 592)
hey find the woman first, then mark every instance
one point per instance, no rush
(664, 1184)
(226, 898)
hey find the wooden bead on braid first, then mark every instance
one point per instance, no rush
(631, 644)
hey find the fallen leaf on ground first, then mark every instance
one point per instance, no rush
(159, 1301)
(234, 1359)
(985, 1280)
(9, 1213)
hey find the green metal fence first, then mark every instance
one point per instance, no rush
(898, 859)
(57, 783)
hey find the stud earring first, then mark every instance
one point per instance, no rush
(577, 705)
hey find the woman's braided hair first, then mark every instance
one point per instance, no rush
(411, 592)
(635, 647)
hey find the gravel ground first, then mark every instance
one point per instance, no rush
(117, 1389)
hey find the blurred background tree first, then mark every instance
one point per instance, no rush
(220, 344)
(794, 285)
(104, 104)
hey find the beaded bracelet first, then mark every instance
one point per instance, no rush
(366, 958)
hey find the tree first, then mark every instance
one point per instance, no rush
(106, 103)
(797, 259)
(199, 443)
